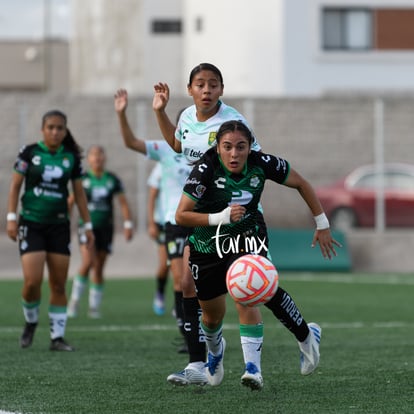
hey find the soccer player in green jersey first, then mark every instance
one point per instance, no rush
(219, 204)
(43, 228)
(101, 186)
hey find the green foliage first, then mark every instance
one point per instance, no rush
(122, 360)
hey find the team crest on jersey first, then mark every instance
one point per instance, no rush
(254, 181)
(199, 191)
(211, 138)
(86, 183)
(66, 163)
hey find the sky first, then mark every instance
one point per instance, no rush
(25, 19)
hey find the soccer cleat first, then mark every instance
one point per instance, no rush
(158, 305)
(309, 349)
(188, 376)
(28, 333)
(72, 309)
(214, 367)
(252, 377)
(94, 314)
(59, 344)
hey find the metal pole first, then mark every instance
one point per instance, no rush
(379, 165)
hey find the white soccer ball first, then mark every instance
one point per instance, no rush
(252, 280)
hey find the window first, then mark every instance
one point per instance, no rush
(166, 26)
(359, 29)
(347, 29)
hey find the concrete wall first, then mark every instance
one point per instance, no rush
(322, 138)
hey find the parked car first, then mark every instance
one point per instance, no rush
(350, 202)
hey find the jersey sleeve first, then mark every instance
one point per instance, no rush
(77, 171)
(23, 160)
(200, 176)
(157, 150)
(275, 168)
(118, 184)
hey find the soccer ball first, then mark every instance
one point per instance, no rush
(252, 280)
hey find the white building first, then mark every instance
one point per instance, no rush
(265, 48)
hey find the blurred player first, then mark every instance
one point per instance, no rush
(101, 186)
(156, 230)
(175, 170)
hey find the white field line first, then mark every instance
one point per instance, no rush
(231, 327)
(8, 412)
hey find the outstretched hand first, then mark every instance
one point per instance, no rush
(121, 100)
(326, 243)
(161, 96)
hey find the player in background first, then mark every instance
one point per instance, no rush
(175, 170)
(194, 134)
(156, 230)
(212, 207)
(43, 228)
(100, 186)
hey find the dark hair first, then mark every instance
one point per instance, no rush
(69, 142)
(205, 66)
(54, 112)
(231, 126)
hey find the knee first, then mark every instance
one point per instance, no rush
(211, 323)
(58, 289)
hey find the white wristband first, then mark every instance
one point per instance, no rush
(87, 225)
(321, 221)
(214, 219)
(128, 224)
(11, 216)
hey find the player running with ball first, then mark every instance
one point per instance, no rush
(221, 197)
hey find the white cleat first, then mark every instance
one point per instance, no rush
(188, 376)
(252, 378)
(214, 367)
(309, 349)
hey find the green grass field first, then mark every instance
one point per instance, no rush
(122, 361)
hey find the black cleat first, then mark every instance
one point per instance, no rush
(59, 344)
(28, 333)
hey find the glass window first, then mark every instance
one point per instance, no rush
(358, 29)
(166, 26)
(344, 29)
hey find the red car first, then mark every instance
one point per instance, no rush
(351, 201)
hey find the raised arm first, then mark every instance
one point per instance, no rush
(322, 233)
(159, 103)
(130, 140)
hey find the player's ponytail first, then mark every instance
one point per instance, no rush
(70, 143)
